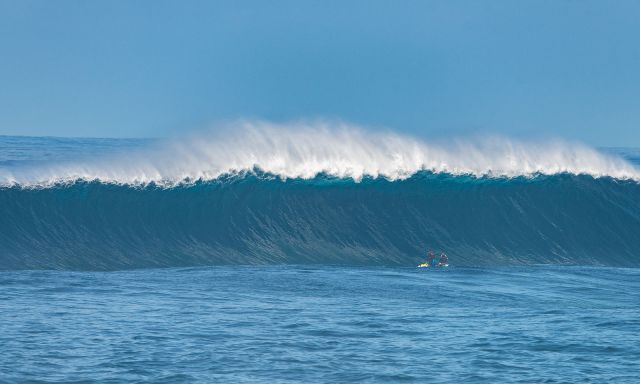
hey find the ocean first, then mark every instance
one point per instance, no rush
(276, 255)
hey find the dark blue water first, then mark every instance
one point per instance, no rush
(322, 324)
(248, 219)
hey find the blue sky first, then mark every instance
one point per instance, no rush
(428, 68)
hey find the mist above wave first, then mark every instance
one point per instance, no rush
(304, 150)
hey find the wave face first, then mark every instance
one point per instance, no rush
(258, 219)
(259, 193)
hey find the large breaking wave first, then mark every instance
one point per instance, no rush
(265, 194)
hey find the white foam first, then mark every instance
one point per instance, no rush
(303, 150)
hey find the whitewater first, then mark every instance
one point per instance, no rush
(306, 150)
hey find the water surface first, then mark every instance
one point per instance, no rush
(289, 324)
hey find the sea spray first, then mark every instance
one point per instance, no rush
(305, 150)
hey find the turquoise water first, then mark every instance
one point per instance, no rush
(293, 324)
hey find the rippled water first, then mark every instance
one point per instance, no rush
(322, 324)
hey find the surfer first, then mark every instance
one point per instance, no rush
(431, 258)
(444, 260)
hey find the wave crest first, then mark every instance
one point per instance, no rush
(305, 150)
